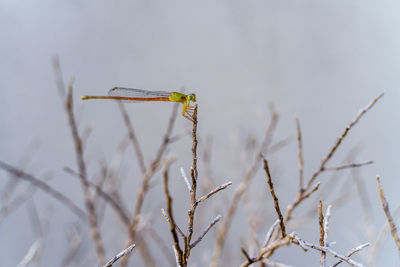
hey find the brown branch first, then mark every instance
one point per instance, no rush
(248, 258)
(321, 234)
(348, 166)
(216, 219)
(302, 192)
(300, 154)
(240, 190)
(45, 188)
(107, 197)
(216, 190)
(179, 231)
(340, 139)
(193, 200)
(306, 245)
(275, 198)
(171, 220)
(389, 217)
(146, 179)
(68, 102)
(132, 137)
(265, 252)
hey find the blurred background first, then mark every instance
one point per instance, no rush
(319, 60)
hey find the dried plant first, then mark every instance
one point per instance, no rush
(178, 245)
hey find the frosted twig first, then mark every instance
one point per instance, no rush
(269, 233)
(305, 245)
(389, 217)
(176, 226)
(186, 179)
(216, 190)
(348, 166)
(326, 223)
(176, 256)
(216, 219)
(352, 251)
(119, 255)
(31, 254)
(322, 234)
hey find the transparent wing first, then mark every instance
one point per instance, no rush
(137, 93)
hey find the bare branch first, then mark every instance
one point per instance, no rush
(321, 234)
(275, 198)
(186, 179)
(269, 233)
(120, 255)
(193, 200)
(340, 139)
(132, 137)
(267, 251)
(180, 232)
(176, 256)
(69, 108)
(389, 217)
(107, 197)
(216, 190)
(33, 250)
(300, 154)
(146, 179)
(45, 188)
(172, 225)
(351, 252)
(216, 219)
(305, 245)
(349, 166)
(240, 190)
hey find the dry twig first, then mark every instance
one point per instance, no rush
(132, 137)
(302, 191)
(351, 252)
(69, 108)
(321, 234)
(275, 198)
(146, 179)
(120, 255)
(222, 231)
(46, 188)
(389, 217)
(173, 226)
(300, 153)
(306, 245)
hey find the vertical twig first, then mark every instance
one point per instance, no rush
(132, 137)
(146, 179)
(321, 234)
(222, 231)
(171, 219)
(68, 102)
(193, 201)
(275, 198)
(389, 217)
(300, 153)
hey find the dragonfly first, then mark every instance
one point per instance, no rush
(139, 95)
